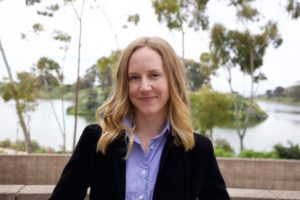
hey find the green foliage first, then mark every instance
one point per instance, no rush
(293, 8)
(291, 152)
(32, 2)
(106, 67)
(209, 109)
(248, 153)
(231, 48)
(176, 13)
(61, 36)
(294, 91)
(49, 10)
(23, 91)
(195, 74)
(287, 95)
(19, 145)
(5, 143)
(256, 114)
(222, 148)
(222, 153)
(223, 144)
(245, 11)
(89, 100)
(49, 72)
(134, 19)
(89, 78)
(37, 27)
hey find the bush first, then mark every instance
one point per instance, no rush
(223, 148)
(19, 145)
(291, 152)
(5, 143)
(223, 144)
(223, 153)
(248, 153)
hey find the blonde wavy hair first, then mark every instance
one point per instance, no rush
(110, 115)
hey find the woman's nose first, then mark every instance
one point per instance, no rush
(145, 85)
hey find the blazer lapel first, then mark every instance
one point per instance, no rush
(118, 152)
(166, 149)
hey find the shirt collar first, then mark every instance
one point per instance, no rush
(128, 123)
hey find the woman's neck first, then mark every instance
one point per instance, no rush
(147, 128)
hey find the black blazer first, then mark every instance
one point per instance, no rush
(181, 175)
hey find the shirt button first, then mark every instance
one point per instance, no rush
(144, 172)
(141, 197)
(151, 147)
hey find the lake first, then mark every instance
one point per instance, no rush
(282, 125)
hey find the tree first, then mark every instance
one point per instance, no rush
(106, 67)
(79, 16)
(269, 94)
(23, 93)
(245, 50)
(49, 68)
(279, 92)
(181, 14)
(209, 109)
(89, 78)
(195, 74)
(294, 91)
(293, 8)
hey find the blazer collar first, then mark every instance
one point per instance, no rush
(118, 151)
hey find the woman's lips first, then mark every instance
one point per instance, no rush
(147, 99)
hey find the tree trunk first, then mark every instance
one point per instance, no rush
(18, 105)
(55, 115)
(79, 18)
(64, 149)
(241, 137)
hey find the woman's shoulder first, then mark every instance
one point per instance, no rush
(90, 134)
(201, 139)
(203, 144)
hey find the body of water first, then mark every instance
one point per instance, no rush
(282, 125)
(42, 124)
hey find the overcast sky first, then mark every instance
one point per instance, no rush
(281, 65)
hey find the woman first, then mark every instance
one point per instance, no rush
(144, 146)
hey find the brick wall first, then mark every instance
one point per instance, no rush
(238, 173)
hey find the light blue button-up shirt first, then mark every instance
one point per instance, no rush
(142, 168)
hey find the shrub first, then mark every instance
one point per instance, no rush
(249, 153)
(291, 152)
(223, 144)
(5, 143)
(19, 145)
(222, 153)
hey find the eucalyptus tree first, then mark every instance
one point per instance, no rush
(244, 50)
(196, 74)
(106, 67)
(293, 8)
(23, 93)
(79, 16)
(182, 14)
(49, 11)
(46, 68)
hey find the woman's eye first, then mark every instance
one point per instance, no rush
(133, 78)
(155, 75)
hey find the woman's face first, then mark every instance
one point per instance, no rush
(148, 85)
